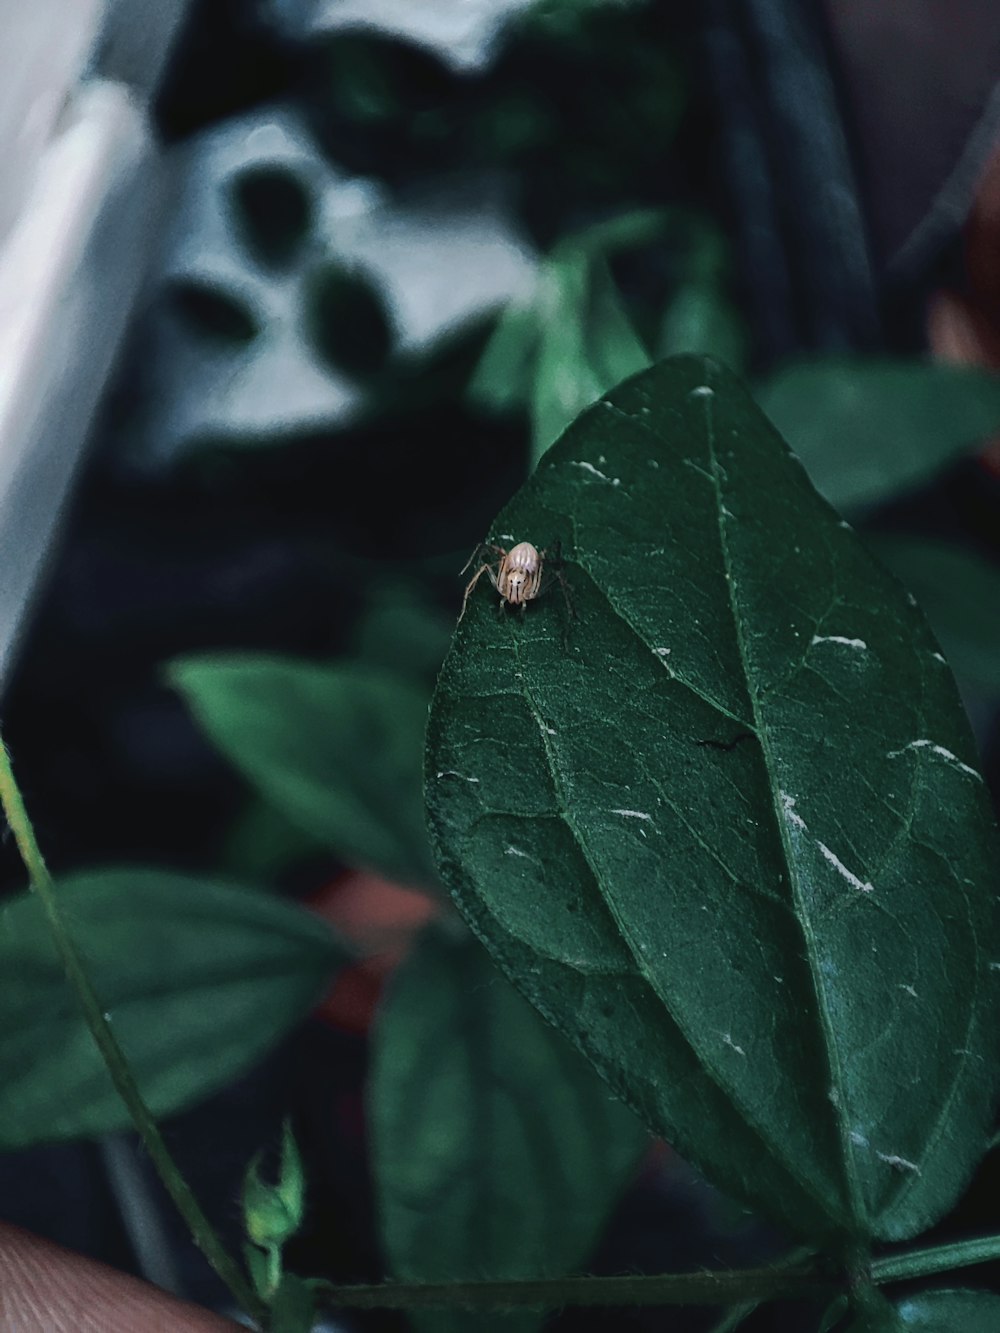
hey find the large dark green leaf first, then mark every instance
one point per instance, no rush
(724, 826)
(937, 1312)
(199, 979)
(335, 748)
(866, 430)
(959, 592)
(497, 1150)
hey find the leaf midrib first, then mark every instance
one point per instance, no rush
(805, 1181)
(830, 1050)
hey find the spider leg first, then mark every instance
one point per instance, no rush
(557, 576)
(483, 569)
(479, 551)
(563, 582)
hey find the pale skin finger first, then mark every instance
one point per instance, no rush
(46, 1289)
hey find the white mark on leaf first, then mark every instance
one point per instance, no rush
(938, 657)
(632, 814)
(702, 391)
(589, 467)
(910, 990)
(697, 467)
(791, 816)
(858, 1139)
(451, 773)
(511, 850)
(941, 753)
(839, 638)
(900, 1163)
(841, 869)
(662, 652)
(727, 1039)
(795, 821)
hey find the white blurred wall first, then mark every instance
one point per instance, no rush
(77, 217)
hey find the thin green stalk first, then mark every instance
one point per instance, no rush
(935, 1259)
(723, 1288)
(738, 1314)
(112, 1054)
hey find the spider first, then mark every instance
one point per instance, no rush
(518, 574)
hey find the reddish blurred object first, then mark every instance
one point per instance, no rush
(964, 326)
(380, 919)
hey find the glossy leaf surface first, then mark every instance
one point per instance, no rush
(866, 430)
(498, 1152)
(335, 748)
(199, 980)
(723, 826)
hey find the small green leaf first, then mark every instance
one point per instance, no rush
(502, 379)
(264, 1216)
(272, 1213)
(959, 592)
(575, 339)
(723, 826)
(866, 430)
(628, 231)
(938, 1312)
(291, 1177)
(260, 1267)
(616, 350)
(199, 980)
(497, 1152)
(335, 748)
(700, 319)
(587, 343)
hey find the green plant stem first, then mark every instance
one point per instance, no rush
(935, 1259)
(744, 1289)
(725, 1288)
(738, 1314)
(112, 1054)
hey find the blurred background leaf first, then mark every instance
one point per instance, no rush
(200, 978)
(867, 430)
(497, 1151)
(337, 749)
